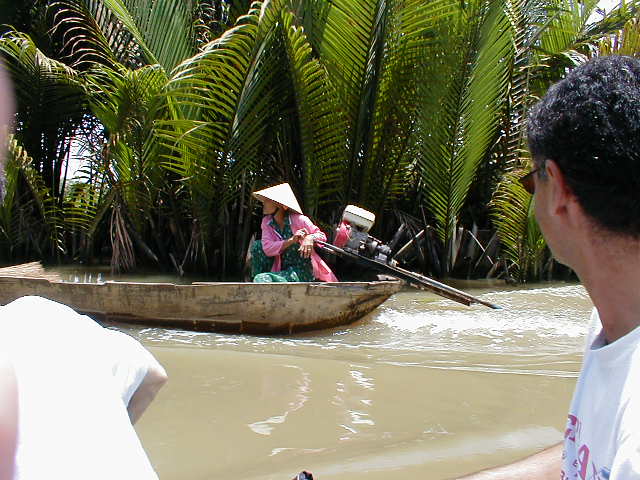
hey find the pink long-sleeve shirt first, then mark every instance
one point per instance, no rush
(273, 245)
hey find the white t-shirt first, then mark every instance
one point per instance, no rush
(602, 438)
(75, 380)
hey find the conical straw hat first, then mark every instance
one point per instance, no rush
(281, 194)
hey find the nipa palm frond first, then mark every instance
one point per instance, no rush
(625, 42)
(522, 242)
(213, 98)
(25, 216)
(322, 127)
(90, 33)
(411, 28)
(51, 102)
(162, 29)
(459, 130)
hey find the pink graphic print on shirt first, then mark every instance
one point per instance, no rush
(580, 462)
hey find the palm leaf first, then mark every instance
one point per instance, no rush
(51, 103)
(128, 102)
(523, 245)
(29, 220)
(374, 51)
(460, 129)
(564, 34)
(411, 33)
(159, 31)
(349, 39)
(205, 91)
(219, 108)
(322, 126)
(90, 33)
(570, 36)
(213, 17)
(625, 42)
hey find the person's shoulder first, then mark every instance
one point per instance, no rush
(126, 345)
(299, 217)
(120, 337)
(266, 221)
(46, 314)
(34, 303)
(129, 354)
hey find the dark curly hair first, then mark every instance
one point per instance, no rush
(589, 124)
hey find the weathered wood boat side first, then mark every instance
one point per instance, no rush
(224, 307)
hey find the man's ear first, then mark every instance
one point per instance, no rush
(561, 198)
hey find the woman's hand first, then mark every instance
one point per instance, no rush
(300, 234)
(297, 237)
(307, 246)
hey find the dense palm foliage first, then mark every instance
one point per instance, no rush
(178, 109)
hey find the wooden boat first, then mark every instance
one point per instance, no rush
(257, 308)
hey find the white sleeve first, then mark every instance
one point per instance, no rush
(131, 363)
(594, 333)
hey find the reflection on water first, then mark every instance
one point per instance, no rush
(423, 387)
(302, 390)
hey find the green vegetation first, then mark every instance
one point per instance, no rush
(178, 109)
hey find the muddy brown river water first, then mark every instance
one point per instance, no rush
(422, 388)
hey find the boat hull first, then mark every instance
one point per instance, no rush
(256, 308)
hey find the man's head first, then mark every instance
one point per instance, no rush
(589, 125)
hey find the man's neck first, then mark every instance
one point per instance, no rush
(612, 278)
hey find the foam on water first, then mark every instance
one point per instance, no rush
(548, 312)
(490, 324)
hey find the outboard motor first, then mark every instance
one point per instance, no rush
(353, 241)
(353, 236)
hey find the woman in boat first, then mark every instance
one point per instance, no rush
(286, 253)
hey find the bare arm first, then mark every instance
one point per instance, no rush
(545, 465)
(8, 419)
(153, 381)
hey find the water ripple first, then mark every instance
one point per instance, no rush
(539, 331)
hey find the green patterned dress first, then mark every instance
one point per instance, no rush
(294, 267)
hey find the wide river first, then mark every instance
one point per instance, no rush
(421, 388)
